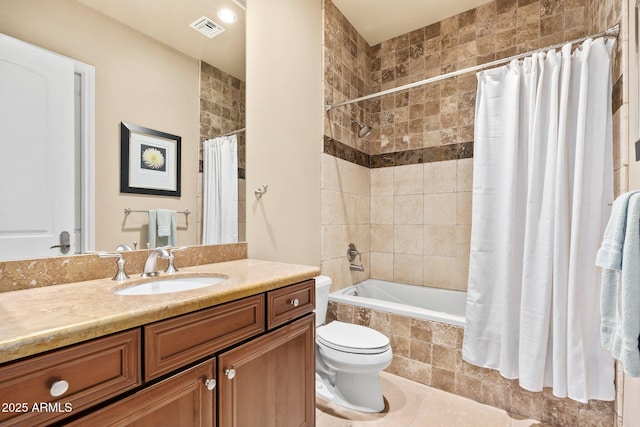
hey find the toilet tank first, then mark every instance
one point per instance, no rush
(323, 285)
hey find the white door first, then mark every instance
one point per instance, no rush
(36, 150)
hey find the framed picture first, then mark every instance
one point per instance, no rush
(149, 161)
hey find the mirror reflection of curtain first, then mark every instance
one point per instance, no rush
(220, 190)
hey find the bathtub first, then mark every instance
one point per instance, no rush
(421, 302)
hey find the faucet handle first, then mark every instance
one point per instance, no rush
(171, 268)
(121, 274)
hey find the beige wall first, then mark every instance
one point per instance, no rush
(139, 81)
(284, 129)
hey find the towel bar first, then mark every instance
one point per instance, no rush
(127, 211)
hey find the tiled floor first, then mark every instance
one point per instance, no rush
(410, 404)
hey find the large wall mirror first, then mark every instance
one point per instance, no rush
(153, 67)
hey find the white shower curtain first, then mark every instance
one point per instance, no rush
(220, 190)
(542, 181)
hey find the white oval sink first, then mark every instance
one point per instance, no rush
(165, 286)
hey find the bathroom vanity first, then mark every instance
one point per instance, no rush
(239, 353)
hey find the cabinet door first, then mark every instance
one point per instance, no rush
(270, 381)
(183, 400)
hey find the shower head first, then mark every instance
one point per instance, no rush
(362, 129)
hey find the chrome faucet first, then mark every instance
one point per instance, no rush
(150, 267)
(352, 253)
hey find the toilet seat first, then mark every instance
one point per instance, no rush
(350, 338)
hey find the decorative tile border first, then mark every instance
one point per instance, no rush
(335, 148)
(342, 151)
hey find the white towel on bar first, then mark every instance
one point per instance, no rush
(620, 293)
(164, 218)
(155, 238)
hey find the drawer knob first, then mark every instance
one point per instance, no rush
(59, 388)
(210, 383)
(295, 302)
(230, 373)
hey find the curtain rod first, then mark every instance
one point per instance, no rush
(234, 132)
(204, 138)
(610, 32)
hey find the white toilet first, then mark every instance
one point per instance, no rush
(349, 359)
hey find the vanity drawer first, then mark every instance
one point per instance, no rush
(173, 343)
(286, 304)
(95, 371)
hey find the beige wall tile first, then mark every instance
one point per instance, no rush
(408, 209)
(464, 180)
(333, 241)
(363, 209)
(408, 179)
(381, 209)
(332, 268)
(333, 207)
(330, 174)
(382, 265)
(408, 269)
(440, 177)
(381, 238)
(440, 240)
(382, 182)
(408, 239)
(463, 208)
(440, 208)
(440, 272)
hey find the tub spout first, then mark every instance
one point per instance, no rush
(355, 267)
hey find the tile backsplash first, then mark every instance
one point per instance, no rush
(38, 272)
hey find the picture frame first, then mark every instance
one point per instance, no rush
(149, 161)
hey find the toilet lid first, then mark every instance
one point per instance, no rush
(352, 338)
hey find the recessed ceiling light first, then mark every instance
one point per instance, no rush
(227, 15)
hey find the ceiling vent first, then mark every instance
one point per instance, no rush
(207, 27)
(242, 4)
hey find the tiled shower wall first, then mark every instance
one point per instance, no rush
(420, 159)
(421, 223)
(433, 124)
(222, 110)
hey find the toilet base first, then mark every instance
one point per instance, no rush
(367, 397)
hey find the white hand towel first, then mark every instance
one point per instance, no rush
(164, 222)
(610, 252)
(610, 257)
(152, 229)
(624, 344)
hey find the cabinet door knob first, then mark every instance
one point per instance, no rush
(210, 383)
(59, 388)
(230, 373)
(295, 302)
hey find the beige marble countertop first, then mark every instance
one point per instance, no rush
(41, 319)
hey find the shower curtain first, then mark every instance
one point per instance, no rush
(542, 181)
(220, 190)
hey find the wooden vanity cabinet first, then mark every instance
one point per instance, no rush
(182, 400)
(270, 381)
(81, 376)
(245, 363)
(173, 343)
